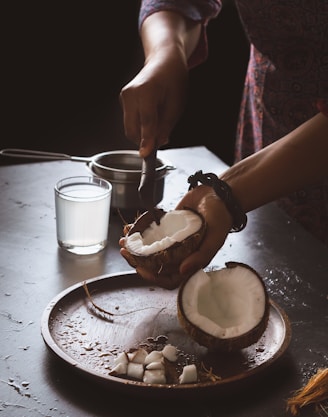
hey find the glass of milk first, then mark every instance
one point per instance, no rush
(82, 214)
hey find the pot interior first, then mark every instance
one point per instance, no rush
(122, 166)
(119, 161)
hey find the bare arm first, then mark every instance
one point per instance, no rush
(154, 100)
(296, 160)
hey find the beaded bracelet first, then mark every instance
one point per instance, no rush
(224, 192)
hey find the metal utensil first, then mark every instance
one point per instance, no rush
(146, 188)
(32, 154)
(122, 168)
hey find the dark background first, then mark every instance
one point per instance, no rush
(65, 66)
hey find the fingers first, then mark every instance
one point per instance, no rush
(152, 103)
(169, 282)
(131, 120)
(141, 121)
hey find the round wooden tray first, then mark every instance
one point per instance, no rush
(88, 339)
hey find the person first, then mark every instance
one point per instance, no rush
(282, 134)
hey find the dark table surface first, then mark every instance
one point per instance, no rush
(33, 270)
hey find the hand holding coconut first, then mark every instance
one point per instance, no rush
(205, 222)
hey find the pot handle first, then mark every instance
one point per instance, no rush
(32, 154)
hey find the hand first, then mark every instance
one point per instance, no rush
(218, 225)
(154, 100)
(218, 222)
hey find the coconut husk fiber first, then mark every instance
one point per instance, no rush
(314, 393)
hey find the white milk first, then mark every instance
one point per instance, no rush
(82, 215)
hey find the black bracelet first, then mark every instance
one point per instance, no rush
(224, 192)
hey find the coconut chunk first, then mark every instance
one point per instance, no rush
(170, 352)
(155, 376)
(155, 365)
(121, 358)
(189, 374)
(175, 226)
(119, 369)
(153, 356)
(135, 370)
(138, 356)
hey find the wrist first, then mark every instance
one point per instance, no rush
(224, 192)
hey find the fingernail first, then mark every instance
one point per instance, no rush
(142, 148)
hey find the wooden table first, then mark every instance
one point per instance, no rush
(33, 270)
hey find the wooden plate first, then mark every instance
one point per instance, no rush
(88, 339)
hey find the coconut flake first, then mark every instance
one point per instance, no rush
(175, 226)
(135, 370)
(155, 365)
(189, 374)
(153, 356)
(121, 358)
(138, 356)
(156, 376)
(170, 353)
(119, 369)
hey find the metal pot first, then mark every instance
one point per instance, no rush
(123, 171)
(122, 168)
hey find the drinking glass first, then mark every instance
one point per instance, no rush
(82, 214)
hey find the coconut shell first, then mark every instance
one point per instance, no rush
(224, 344)
(164, 265)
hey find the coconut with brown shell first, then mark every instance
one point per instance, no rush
(160, 248)
(225, 309)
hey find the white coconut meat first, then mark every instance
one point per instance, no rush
(189, 374)
(226, 303)
(170, 353)
(175, 226)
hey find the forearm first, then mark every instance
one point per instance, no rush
(169, 31)
(296, 160)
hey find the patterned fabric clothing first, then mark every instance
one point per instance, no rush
(286, 81)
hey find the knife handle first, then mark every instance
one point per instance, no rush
(147, 182)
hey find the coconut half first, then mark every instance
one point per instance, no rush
(225, 309)
(160, 248)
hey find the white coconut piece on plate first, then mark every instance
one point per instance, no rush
(155, 365)
(119, 369)
(138, 356)
(121, 358)
(135, 370)
(155, 376)
(170, 352)
(188, 375)
(153, 356)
